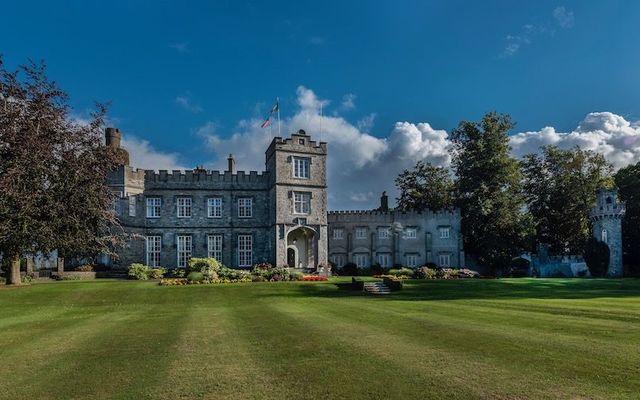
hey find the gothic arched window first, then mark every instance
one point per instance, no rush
(604, 236)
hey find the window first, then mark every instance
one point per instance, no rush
(132, 206)
(362, 260)
(245, 250)
(301, 141)
(361, 233)
(245, 207)
(338, 260)
(153, 207)
(444, 260)
(154, 244)
(412, 260)
(214, 247)
(383, 233)
(301, 203)
(184, 207)
(605, 236)
(410, 233)
(338, 234)
(445, 232)
(300, 221)
(384, 259)
(214, 207)
(301, 167)
(184, 250)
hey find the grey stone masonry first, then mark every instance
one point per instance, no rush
(606, 217)
(393, 238)
(243, 218)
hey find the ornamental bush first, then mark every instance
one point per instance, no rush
(138, 271)
(195, 276)
(349, 269)
(404, 272)
(204, 265)
(425, 273)
(157, 273)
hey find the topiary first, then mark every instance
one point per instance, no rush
(349, 269)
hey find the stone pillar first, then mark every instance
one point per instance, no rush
(60, 266)
(14, 272)
(29, 265)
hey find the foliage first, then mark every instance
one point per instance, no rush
(314, 278)
(488, 190)
(176, 273)
(425, 187)
(560, 189)
(404, 272)
(596, 255)
(204, 265)
(349, 269)
(173, 282)
(138, 271)
(52, 173)
(628, 182)
(376, 269)
(425, 273)
(84, 268)
(157, 273)
(296, 276)
(195, 277)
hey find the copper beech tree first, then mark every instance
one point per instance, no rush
(52, 173)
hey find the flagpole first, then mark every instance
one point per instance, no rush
(278, 103)
(321, 121)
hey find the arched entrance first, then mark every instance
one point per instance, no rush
(301, 248)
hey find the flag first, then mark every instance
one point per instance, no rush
(275, 108)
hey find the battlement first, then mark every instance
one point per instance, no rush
(202, 175)
(608, 205)
(298, 141)
(364, 215)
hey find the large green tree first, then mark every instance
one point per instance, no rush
(560, 189)
(628, 182)
(425, 186)
(52, 172)
(488, 190)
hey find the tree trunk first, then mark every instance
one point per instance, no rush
(14, 272)
(29, 265)
(60, 266)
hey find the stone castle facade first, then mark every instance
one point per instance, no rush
(278, 216)
(606, 217)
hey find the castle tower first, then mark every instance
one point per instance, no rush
(297, 169)
(606, 217)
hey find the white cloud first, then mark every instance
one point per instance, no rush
(359, 165)
(348, 102)
(143, 155)
(186, 103)
(563, 17)
(603, 132)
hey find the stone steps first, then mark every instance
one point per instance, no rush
(376, 288)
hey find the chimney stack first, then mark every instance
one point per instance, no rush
(384, 202)
(231, 164)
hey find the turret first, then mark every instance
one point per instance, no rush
(606, 217)
(384, 202)
(231, 164)
(112, 139)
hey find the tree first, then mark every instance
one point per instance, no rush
(596, 255)
(560, 189)
(628, 182)
(488, 190)
(425, 187)
(52, 172)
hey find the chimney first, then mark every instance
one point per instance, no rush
(113, 137)
(384, 202)
(231, 164)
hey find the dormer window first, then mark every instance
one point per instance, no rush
(301, 141)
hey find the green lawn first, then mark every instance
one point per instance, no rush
(490, 339)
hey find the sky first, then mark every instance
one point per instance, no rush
(191, 82)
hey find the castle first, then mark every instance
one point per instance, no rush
(278, 216)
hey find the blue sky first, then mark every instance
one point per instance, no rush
(190, 82)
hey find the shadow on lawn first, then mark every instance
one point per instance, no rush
(489, 289)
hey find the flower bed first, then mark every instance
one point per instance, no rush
(173, 281)
(314, 278)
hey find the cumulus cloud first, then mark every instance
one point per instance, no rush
(186, 103)
(603, 132)
(359, 166)
(143, 155)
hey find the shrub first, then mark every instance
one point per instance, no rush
(85, 268)
(468, 273)
(377, 269)
(404, 272)
(173, 282)
(157, 273)
(314, 278)
(425, 273)
(176, 273)
(138, 271)
(204, 265)
(296, 276)
(349, 269)
(446, 273)
(195, 276)
(258, 278)
(596, 255)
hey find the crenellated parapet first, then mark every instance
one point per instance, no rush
(194, 176)
(368, 215)
(607, 206)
